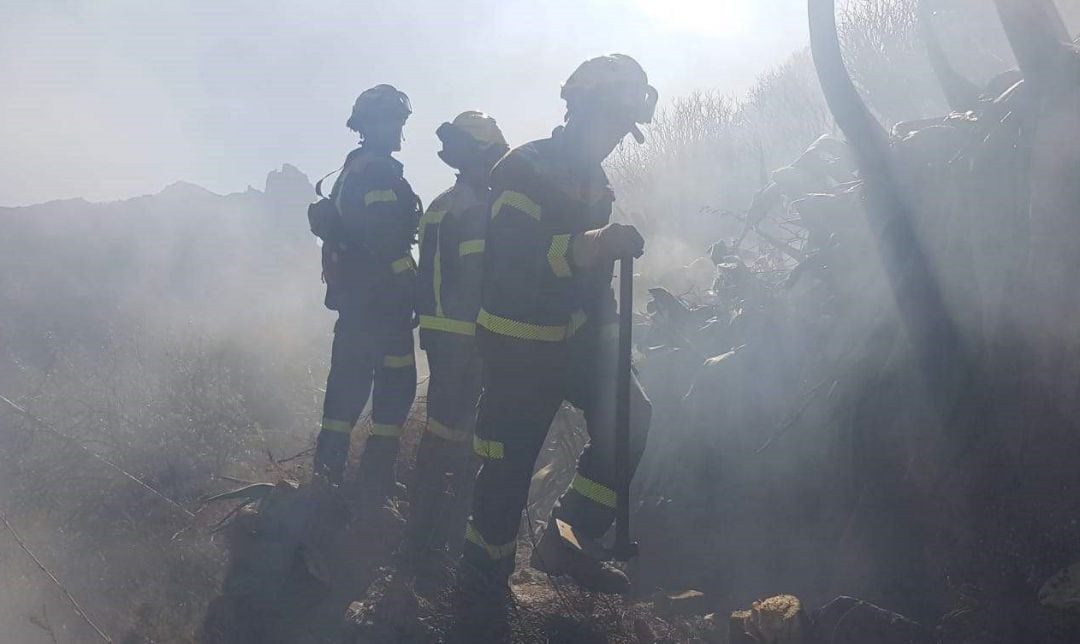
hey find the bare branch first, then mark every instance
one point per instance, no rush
(42, 425)
(78, 609)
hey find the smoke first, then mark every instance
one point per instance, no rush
(182, 336)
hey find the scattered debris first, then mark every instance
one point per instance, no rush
(846, 620)
(688, 602)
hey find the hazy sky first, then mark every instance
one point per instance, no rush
(107, 99)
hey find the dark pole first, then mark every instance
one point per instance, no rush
(624, 549)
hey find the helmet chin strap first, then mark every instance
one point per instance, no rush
(636, 133)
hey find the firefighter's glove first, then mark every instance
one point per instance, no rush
(607, 244)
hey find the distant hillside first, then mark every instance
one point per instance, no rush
(72, 271)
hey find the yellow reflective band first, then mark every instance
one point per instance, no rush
(487, 449)
(403, 264)
(436, 279)
(449, 325)
(397, 362)
(470, 247)
(382, 429)
(431, 217)
(446, 432)
(379, 196)
(340, 426)
(518, 201)
(556, 255)
(527, 331)
(593, 491)
(473, 536)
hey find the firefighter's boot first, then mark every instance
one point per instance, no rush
(481, 606)
(563, 552)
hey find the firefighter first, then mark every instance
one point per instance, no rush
(547, 329)
(448, 298)
(370, 275)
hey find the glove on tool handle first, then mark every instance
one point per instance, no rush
(624, 549)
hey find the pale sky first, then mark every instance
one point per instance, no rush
(107, 99)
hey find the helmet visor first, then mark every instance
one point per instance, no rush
(632, 100)
(406, 105)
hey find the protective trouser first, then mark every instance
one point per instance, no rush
(445, 463)
(358, 361)
(522, 393)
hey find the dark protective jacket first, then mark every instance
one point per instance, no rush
(533, 294)
(451, 260)
(373, 287)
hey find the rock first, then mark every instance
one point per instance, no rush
(1062, 591)
(265, 545)
(737, 627)
(846, 620)
(387, 613)
(289, 184)
(777, 620)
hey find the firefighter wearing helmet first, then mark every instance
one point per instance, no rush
(547, 329)
(452, 233)
(370, 277)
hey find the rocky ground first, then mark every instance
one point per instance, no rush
(289, 581)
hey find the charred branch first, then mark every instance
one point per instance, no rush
(932, 332)
(1039, 39)
(960, 93)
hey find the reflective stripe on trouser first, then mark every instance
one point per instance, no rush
(387, 430)
(334, 425)
(521, 397)
(435, 427)
(494, 559)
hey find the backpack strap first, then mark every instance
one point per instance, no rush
(318, 184)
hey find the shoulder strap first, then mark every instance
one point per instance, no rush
(318, 184)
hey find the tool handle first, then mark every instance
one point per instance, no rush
(623, 549)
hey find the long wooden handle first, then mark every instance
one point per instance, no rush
(623, 549)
